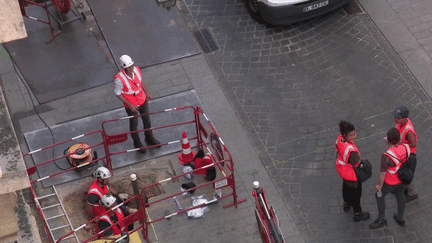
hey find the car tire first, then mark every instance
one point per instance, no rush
(252, 7)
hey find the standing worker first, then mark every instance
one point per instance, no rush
(391, 160)
(349, 156)
(130, 89)
(408, 136)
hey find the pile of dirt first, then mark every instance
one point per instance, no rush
(79, 211)
(144, 178)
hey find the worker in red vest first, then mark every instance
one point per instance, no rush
(114, 217)
(98, 188)
(391, 160)
(349, 156)
(408, 136)
(130, 89)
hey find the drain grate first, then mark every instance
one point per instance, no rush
(206, 40)
(353, 7)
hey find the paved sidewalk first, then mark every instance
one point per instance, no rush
(407, 26)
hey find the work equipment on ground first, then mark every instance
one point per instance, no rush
(79, 155)
(45, 205)
(187, 154)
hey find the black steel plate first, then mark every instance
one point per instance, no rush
(148, 33)
(74, 61)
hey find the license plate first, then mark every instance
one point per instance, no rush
(316, 6)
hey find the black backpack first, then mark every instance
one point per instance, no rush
(407, 169)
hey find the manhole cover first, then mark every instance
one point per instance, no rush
(206, 40)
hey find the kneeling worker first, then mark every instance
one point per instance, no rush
(98, 188)
(115, 217)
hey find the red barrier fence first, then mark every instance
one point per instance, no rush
(206, 138)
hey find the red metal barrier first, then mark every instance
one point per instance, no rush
(206, 138)
(137, 216)
(220, 156)
(266, 217)
(24, 3)
(32, 169)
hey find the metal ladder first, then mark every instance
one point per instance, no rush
(53, 214)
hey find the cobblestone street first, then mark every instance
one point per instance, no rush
(291, 85)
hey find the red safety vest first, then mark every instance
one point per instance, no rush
(132, 89)
(99, 191)
(403, 130)
(398, 155)
(115, 227)
(201, 162)
(343, 167)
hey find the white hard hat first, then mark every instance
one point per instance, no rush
(108, 200)
(102, 173)
(126, 61)
(187, 169)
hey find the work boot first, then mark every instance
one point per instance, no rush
(150, 140)
(401, 222)
(361, 216)
(378, 223)
(346, 207)
(409, 198)
(138, 144)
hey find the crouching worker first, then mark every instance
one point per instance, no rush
(100, 187)
(115, 217)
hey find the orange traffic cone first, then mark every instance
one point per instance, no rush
(187, 154)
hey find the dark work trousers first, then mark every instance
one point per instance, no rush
(400, 198)
(352, 195)
(133, 122)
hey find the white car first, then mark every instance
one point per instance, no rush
(282, 12)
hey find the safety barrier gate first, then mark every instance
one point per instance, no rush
(206, 138)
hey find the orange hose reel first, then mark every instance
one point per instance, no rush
(79, 154)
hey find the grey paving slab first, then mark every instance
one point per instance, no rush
(407, 27)
(400, 38)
